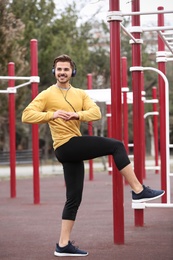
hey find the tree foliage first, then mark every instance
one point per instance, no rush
(56, 33)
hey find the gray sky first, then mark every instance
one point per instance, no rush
(125, 6)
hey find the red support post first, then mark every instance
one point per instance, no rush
(90, 130)
(143, 148)
(35, 135)
(162, 113)
(12, 131)
(109, 134)
(125, 105)
(137, 110)
(155, 129)
(115, 70)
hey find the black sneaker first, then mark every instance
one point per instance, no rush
(69, 250)
(147, 194)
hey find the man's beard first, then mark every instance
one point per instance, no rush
(63, 81)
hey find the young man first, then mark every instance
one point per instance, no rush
(64, 107)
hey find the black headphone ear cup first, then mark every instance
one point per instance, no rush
(53, 71)
(74, 70)
(73, 73)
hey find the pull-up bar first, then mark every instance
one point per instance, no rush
(14, 88)
(118, 15)
(11, 90)
(148, 13)
(31, 78)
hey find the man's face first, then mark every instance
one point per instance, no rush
(63, 72)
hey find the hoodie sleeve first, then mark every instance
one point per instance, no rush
(90, 111)
(35, 112)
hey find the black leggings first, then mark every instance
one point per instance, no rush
(73, 153)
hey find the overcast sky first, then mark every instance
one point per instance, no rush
(125, 6)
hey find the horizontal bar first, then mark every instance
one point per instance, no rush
(131, 156)
(147, 13)
(144, 205)
(151, 114)
(10, 90)
(130, 145)
(152, 167)
(168, 38)
(151, 101)
(158, 28)
(125, 89)
(14, 78)
(167, 33)
(31, 78)
(4, 91)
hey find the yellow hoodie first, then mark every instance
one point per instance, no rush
(41, 110)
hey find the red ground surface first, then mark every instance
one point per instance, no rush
(29, 231)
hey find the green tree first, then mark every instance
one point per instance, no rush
(37, 15)
(72, 39)
(11, 31)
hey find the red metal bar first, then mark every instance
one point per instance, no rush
(162, 113)
(35, 135)
(109, 134)
(143, 129)
(115, 70)
(125, 106)
(90, 129)
(12, 131)
(137, 110)
(155, 129)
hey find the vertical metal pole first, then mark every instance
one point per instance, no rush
(115, 70)
(12, 131)
(137, 113)
(155, 129)
(90, 130)
(143, 128)
(109, 133)
(35, 135)
(162, 113)
(125, 106)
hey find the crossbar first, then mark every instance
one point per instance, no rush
(31, 78)
(144, 205)
(147, 13)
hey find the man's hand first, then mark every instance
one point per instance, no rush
(65, 115)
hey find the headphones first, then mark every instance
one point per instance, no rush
(72, 63)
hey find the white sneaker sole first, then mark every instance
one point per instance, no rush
(68, 254)
(148, 199)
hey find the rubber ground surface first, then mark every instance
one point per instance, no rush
(29, 231)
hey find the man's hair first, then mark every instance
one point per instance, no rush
(64, 58)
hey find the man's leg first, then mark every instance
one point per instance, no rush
(66, 229)
(131, 178)
(90, 147)
(74, 179)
